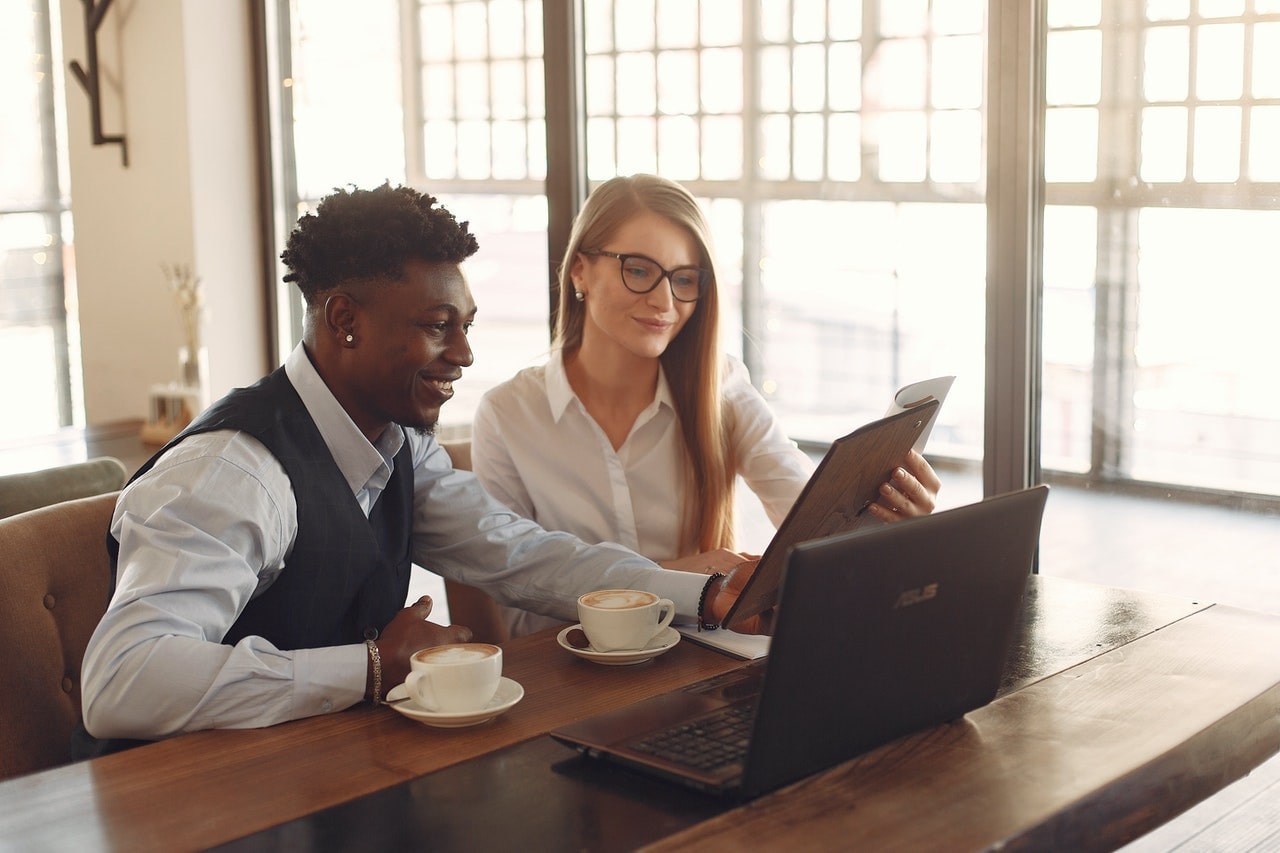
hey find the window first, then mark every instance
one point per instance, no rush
(840, 148)
(1163, 187)
(37, 271)
(445, 96)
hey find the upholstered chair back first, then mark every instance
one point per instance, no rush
(468, 605)
(53, 591)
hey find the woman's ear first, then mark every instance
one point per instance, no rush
(577, 271)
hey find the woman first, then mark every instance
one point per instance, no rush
(637, 427)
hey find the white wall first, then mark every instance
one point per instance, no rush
(177, 82)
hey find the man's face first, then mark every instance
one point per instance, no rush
(411, 346)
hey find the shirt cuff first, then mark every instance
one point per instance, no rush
(330, 679)
(683, 588)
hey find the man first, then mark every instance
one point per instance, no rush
(262, 558)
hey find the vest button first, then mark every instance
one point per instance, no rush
(67, 684)
(371, 633)
(48, 601)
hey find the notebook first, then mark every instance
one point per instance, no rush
(835, 499)
(878, 634)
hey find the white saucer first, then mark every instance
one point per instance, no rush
(509, 693)
(664, 641)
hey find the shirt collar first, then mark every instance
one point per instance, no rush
(560, 392)
(359, 461)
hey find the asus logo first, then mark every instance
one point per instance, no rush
(915, 596)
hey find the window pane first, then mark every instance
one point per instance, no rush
(1219, 71)
(1266, 60)
(1071, 145)
(901, 146)
(1199, 416)
(775, 147)
(1217, 144)
(957, 77)
(346, 100)
(1074, 67)
(39, 336)
(1166, 64)
(1264, 144)
(844, 71)
(844, 147)
(809, 145)
(678, 147)
(1164, 144)
(955, 147)
(1070, 260)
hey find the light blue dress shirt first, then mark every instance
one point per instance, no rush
(210, 527)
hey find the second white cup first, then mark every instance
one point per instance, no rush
(456, 677)
(623, 619)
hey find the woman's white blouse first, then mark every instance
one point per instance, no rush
(535, 448)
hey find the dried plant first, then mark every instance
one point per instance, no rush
(185, 285)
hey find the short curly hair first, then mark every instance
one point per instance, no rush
(357, 234)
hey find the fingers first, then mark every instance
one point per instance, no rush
(923, 472)
(911, 491)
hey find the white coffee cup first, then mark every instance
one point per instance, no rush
(623, 619)
(455, 677)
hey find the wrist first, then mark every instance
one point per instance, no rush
(373, 679)
(707, 621)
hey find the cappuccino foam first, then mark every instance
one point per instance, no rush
(618, 599)
(455, 654)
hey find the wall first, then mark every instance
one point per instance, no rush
(177, 82)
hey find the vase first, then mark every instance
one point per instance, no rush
(193, 373)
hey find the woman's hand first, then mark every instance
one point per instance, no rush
(911, 491)
(709, 562)
(725, 592)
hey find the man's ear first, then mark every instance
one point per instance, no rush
(340, 312)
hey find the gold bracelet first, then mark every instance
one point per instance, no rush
(377, 671)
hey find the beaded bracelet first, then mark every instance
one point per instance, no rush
(376, 657)
(703, 624)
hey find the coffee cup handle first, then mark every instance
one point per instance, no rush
(669, 612)
(418, 684)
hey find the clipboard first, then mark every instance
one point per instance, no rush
(835, 499)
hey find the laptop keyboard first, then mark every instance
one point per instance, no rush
(709, 743)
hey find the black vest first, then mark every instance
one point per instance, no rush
(347, 575)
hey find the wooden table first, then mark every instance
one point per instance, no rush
(1119, 711)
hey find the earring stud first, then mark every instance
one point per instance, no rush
(579, 295)
(350, 338)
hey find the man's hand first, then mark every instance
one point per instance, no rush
(725, 592)
(407, 632)
(911, 491)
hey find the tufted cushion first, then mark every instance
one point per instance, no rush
(53, 590)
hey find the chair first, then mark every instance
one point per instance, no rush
(467, 605)
(54, 572)
(32, 489)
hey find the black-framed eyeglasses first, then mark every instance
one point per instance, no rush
(641, 274)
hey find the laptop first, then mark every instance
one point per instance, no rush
(878, 634)
(835, 499)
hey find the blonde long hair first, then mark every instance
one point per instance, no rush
(692, 362)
